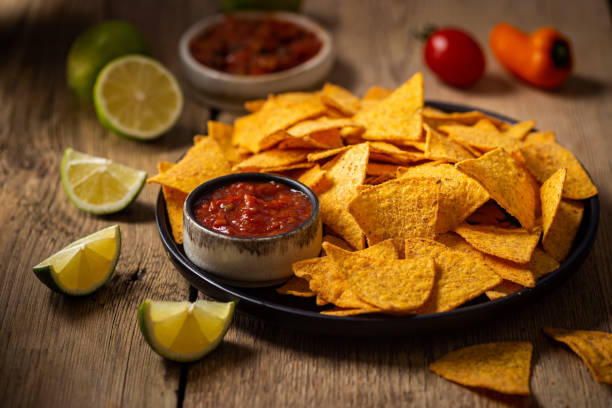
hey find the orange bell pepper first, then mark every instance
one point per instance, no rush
(542, 58)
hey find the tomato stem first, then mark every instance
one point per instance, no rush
(424, 33)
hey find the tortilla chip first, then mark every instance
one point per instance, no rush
(514, 244)
(544, 159)
(380, 169)
(272, 159)
(330, 282)
(561, 233)
(550, 197)
(255, 105)
(327, 153)
(503, 289)
(459, 197)
(341, 99)
(202, 162)
(593, 347)
(503, 367)
(398, 209)
(539, 137)
(438, 147)
(346, 172)
(297, 287)
(175, 199)
(308, 127)
(222, 133)
(265, 128)
(391, 285)
(507, 182)
(486, 124)
(339, 242)
(386, 152)
(338, 311)
(518, 131)
(479, 138)
(377, 93)
(459, 278)
(398, 116)
(435, 117)
(375, 180)
(316, 179)
(489, 213)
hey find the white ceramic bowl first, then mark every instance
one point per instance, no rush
(250, 261)
(217, 85)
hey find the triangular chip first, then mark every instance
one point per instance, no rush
(438, 147)
(389, 284)
(514, 244)
(316, 156)
(398, 116)
(297, 287)
(434, 117)
(507, 182)
(341, 99)
(346, 172)
(202, 162)
(459, 278)
(308, 127)
(550, 198)
(562, 231)
(543, 159)
(377, 93)
(381, 169)
(593, 347)
(398, 209)
(175, 199)
(503, 289)
(272, 159)
(539, 137)
(503, 367)
(386, 152)
(482, 139)
(460, 195)
(338, 311)
(222, 133)
(339, 242)
(316, 179)
(489, 213)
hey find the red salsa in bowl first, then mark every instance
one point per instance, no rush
(254, 46)
(253, 209)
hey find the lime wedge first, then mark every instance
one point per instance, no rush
(184, 331)
(83, 266)
(97, 185)
(136, 97)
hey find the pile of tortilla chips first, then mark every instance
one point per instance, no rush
(423, 210)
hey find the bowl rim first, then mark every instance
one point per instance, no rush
(228, 179)
(301, 20)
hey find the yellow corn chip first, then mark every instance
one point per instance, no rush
(271, 159)
(339, 242)
(482, 139)
(503, 289)
(222, 133)
(316, 179)
(486, 124)
(255, 105)
(266, 127)
(563, 229)
(202, 162)
(503, 367)
(459, 197)
(174, 204)
(380, 169)
(593, 347)
(539, 137)
(514, 244)
(518, 131)
(438, 147)
(377, 93)
(346, 172)
(434, 117)
(308, 127)
(386, 152)
(392, 285)
(459, 278)
(338, 311)
(341, 99)
(398, 209)
(544, 159)
(507, 182)
(489, 213)
(326, 153)
(550, 198)
(398, 116)
(281, 169)
(297, 287)
(374, 180)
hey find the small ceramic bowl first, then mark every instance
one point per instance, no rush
(222, 89)
(250, 261)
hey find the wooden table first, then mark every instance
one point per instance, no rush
(70, 352)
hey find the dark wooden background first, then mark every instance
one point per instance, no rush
(62, 352)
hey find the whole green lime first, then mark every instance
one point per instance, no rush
(95, 47)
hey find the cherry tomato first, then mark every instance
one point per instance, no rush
(454, 56)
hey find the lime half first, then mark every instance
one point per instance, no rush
(184, 331)
(96, 47)
(97, 185)
(83, 266)
(137, 97)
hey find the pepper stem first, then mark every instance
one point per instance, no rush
(560, 54)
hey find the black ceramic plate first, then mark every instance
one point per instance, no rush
(302, 313)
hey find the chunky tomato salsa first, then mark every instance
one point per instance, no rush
(244, 46)
(251, 209)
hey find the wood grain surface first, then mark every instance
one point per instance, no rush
(70, 352)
